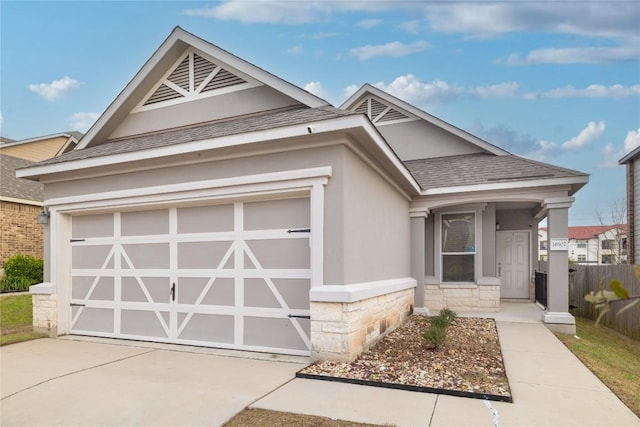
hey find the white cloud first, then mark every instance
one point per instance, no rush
(632, 141)
(586, 136)
(493, 18)
(322, 35)
(500, 90)
(591, 91)
(611, 155)
(394, 49)
(423, 94)
(295, 50)
(584, 55)
(54, 90)
(349, 90)
(82, 120)
(411, 27)
(317, 89)
(369, 23)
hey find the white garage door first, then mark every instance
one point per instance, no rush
(232, 275)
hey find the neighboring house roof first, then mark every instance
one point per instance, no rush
(586, 232)
(18, 189)
(367, 89)
(483, 168)
(217, 129)
(180, 39)
(42, 147)
(630, 156)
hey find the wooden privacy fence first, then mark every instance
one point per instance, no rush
(587, 278)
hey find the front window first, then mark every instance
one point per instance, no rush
(607, 259)
(582, 258)
(582, 244)
(458, 247)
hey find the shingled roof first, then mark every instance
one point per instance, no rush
(18, 188)
(217, 129)
(481, 168)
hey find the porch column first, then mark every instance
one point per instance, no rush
(418, 259)
(557, 316)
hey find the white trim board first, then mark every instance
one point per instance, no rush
(360, 291)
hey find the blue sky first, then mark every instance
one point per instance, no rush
(553, 81)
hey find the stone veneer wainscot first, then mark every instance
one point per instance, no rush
(360, 315)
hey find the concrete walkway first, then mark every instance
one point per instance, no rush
(550, 387)
(69, 382)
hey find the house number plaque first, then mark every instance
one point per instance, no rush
(559, 245)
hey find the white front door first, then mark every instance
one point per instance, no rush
(512, 259)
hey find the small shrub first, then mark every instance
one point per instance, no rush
(21, 271)
(434, 336)
(449, 314)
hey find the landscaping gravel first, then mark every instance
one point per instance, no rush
(469, 361)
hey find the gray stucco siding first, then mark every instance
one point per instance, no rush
(422, 140)
(376, 226)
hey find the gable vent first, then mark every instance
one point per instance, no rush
(180, 75)
(392, 115)
(193, 76)
(223, 79)
(379, 112)
(363, 108)
(376, 108)
(201, 69)
(163, 93)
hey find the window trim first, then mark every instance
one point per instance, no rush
(477, 212)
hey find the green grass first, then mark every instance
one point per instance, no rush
(16, 319)
(614, 358)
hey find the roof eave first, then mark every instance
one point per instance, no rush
(343, 124)
(575, 182)
(629, 156)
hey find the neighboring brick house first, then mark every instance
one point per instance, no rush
(20, 205)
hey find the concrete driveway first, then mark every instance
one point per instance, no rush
(66, 382)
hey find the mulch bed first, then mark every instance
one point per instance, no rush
(468, 364)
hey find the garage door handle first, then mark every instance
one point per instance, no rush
(299, 230)
(299, 317)
(173, 292)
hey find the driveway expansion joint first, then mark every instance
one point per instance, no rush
(77, 371)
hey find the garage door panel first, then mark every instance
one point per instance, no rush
(203, 219)
(238, 275)
(275, 332)
(91, 319)
(258, 294)
(144, 323)
(220, 292)
(92, 288)
(144, 223)
(295, 292)
(146, 289)
(212, 328)
(145, 255)
(91, 257)
(279, 253)
(277, 214)
(92, 226)
(208, 255)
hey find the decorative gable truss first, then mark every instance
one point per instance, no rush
(381, 113)
(194, 77)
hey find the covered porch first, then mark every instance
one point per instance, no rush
(477, 252)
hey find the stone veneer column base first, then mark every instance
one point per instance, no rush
(45, 309)
(463, 297)
(342, 330)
